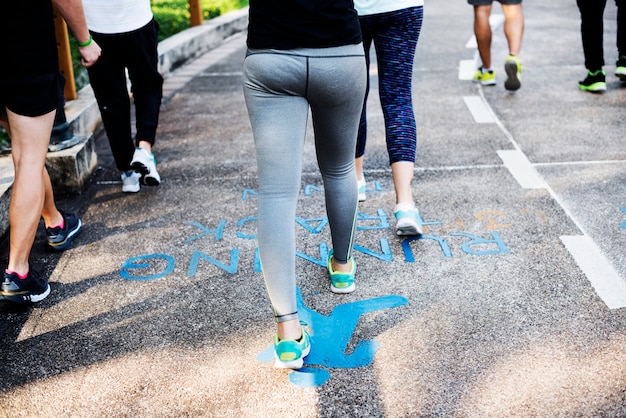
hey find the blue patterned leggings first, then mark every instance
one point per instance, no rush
(395, 36)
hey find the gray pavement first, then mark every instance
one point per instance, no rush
(513, 303)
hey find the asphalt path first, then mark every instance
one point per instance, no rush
(512, 303)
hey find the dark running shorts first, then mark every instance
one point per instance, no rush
(33, 95)
(30, 81)
(488, 2)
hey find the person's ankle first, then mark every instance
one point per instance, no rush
(342, 267)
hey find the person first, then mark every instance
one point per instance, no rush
(592, 33)
(127, 32)
(513, 31)
(394, 28)
(30, 91)
(303, 54)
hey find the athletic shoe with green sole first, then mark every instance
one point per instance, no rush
(595, 81)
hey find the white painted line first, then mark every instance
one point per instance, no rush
(480, 110)
(603, 277)
(471, 43)
(520, 168)
(467, 68)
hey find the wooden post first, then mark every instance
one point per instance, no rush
(195, 9)
(65, 56)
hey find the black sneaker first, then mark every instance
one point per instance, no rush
(594, 82)
(60, 238)
(620, 68)
(31, 289)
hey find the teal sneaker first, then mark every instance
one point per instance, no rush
(595, 82)
(408, 220)
(290, 354)
(341, 282)
(620, 68)
(362, 185)
(486, 78)
(513, 69)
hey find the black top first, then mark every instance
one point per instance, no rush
(27, 38)
(288, 24)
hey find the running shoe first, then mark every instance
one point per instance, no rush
(145, 164)
(362, 186)
(60, 238)
(513, 69)
(620, 68)
(486, 78)
(290, 354)
(32, 288)
(595, 82)
(408, 220)
(341, 282)
(130, 182)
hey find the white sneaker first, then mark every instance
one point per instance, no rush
(408, 220)
(362, 186)
(145, 164)
(130, 182)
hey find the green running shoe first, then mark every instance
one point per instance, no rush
(341, 282)
(513, 69)
(290, 354)
(486, 78)
(595, 82)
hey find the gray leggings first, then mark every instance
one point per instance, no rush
(279, 88)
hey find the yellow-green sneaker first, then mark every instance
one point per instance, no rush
(341, 282)
(486, 78)
(513, 69)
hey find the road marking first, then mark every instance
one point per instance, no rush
(467, 69)
(480, 110)
(521, 169)
(603, 277)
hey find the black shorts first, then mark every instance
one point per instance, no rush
(30, 81)
(488, 2)
(33, 95)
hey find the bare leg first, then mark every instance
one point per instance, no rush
(513, 26)
(29, 142)
(290, 330)
(145, 145)
(482, 31)
(358, 165)
(402, 173)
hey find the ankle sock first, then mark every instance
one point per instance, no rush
(7, 271)
(61, 225)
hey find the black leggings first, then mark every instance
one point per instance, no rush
(592, 30)
(137, 52)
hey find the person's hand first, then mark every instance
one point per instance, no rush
(89, 54)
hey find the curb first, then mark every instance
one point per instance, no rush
(70, 168)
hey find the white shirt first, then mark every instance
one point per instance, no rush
(370, 7)
(116, 16)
